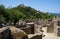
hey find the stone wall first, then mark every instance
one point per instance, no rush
(37, 37)
(58, 23)
(50, 28)
(32, 27)
(6, 34)
(27, 29)
(58, 32)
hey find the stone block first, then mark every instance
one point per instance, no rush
(27, 29)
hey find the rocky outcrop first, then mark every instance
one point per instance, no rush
(18, 33)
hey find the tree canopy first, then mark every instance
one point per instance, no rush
(22, 12)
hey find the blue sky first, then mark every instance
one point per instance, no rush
(52, 6)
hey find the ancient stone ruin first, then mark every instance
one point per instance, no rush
(23, 30)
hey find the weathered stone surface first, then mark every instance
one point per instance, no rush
(35, 36)
(50, 28)
(5, 33)
(27, 29)
(58, 32)
(18, 33)
(58, 23)
(32, 27)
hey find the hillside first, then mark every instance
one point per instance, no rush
(22, 12)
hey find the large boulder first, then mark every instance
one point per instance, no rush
(18, 33)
